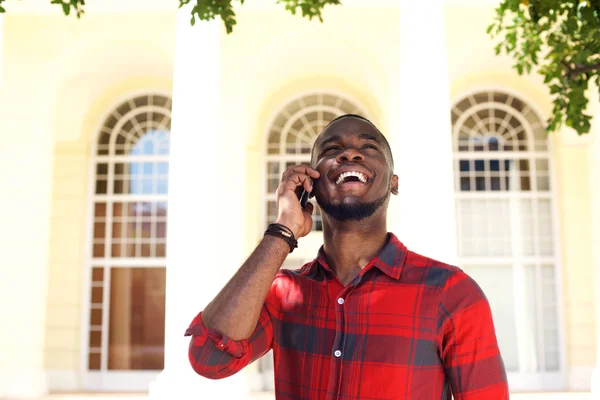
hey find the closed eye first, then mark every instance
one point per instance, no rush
(370, 146)
(331, 148)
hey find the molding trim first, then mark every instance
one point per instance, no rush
(579, 378)
(22, 383)
(62, 380)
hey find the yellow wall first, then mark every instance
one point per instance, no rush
(93, 68)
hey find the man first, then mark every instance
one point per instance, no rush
(368, 318)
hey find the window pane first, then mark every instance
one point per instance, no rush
(137, 319)
(501, 298)
(94, 361)
(483, 227)
(546, 231)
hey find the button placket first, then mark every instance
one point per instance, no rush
(343, 327)
(341, 315)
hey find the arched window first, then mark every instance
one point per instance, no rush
(504, 201)
(127, 294)
(291, 136)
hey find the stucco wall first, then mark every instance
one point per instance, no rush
(92, 69)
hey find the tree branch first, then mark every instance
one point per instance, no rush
(580, 69)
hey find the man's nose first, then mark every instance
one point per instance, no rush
(350, 154)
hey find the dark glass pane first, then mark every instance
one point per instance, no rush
(98, 274)
(99, 249)
(101, 186)
(97, 294)
(95, 317)
(464, 165)
(137, 319)
(100, 210)
(480, 184)
(465, 184)
(495, 183)
(94, 362)
(99, 230)
(95, 338)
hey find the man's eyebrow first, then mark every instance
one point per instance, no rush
(334, 138)
(366, 136)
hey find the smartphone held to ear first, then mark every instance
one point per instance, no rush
(304, 198)
(306, 195)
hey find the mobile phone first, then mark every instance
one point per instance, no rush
(304, 198)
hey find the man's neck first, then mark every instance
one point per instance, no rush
(351, 245)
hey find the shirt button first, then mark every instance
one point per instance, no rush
(337, 353)
(340, 301)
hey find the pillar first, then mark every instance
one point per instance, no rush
(26, 160)
(203, 237)
(594, 185)
(1, 44)
(423, 216)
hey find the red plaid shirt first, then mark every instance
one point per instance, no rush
(407, 327)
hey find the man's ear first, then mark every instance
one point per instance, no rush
(395, 185)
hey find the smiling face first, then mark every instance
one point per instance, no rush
(356, 170)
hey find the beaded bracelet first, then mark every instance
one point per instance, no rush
(283, 232)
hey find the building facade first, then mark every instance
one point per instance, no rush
(140, 158)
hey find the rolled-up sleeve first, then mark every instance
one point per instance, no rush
(215, 356)
(469, 347)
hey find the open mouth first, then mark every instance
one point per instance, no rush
(351, 176)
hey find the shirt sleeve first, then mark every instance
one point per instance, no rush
(215, 356)
(469, 347)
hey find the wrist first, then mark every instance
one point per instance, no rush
(294, 228)
(284, 233)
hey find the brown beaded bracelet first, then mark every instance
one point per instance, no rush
(283, 232)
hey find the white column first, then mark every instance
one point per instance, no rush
(199, 251)
(594, 173)
(1, 44)
(423, 216)
(26, 160)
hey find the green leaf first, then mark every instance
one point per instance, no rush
(2, 10)
(66, 8)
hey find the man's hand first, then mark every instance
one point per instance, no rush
(295, 179)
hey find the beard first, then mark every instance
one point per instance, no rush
(353, 212)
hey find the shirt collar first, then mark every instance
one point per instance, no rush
(390, 259)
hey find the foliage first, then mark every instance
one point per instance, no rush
(561, 39)
(207, 10)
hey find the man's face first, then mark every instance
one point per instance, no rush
(356, 174)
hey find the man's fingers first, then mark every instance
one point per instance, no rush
(302, 170)
(299, 180)
(288, 185)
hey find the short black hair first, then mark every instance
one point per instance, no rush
(385, 142)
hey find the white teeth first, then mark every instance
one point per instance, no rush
(361, 177)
